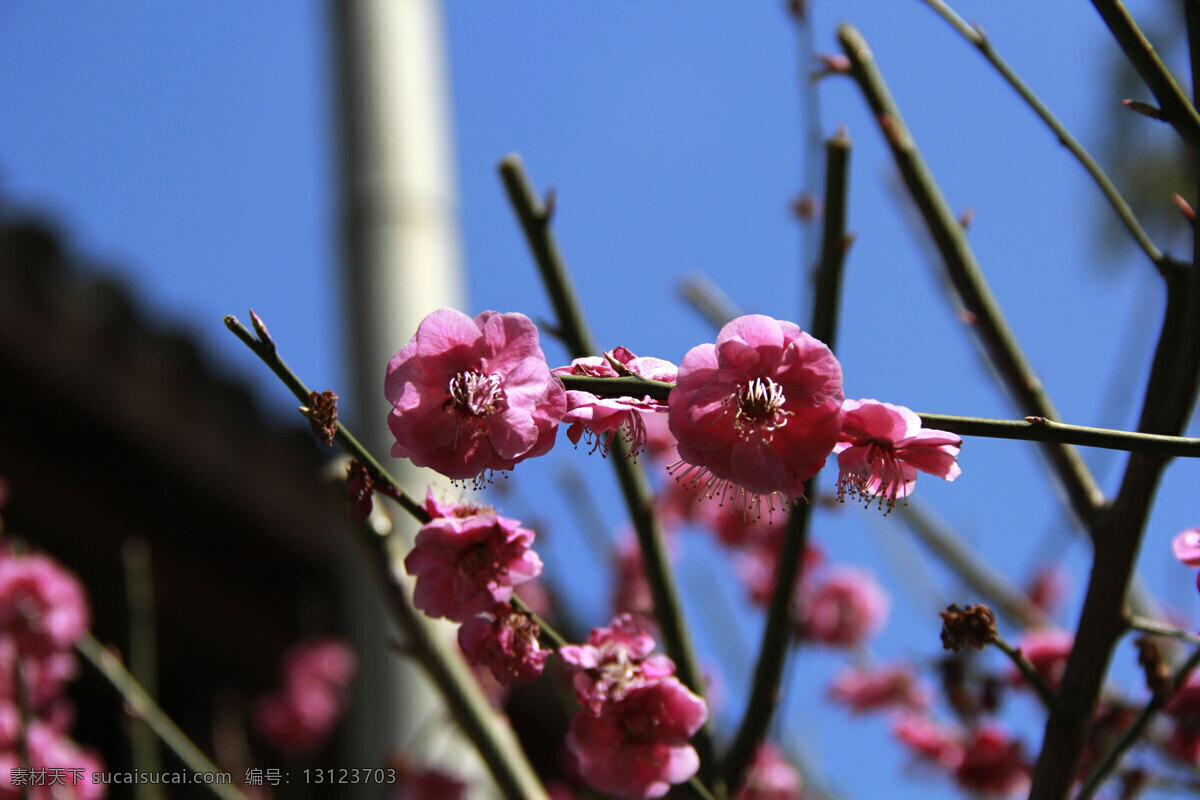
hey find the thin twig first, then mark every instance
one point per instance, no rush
(1134, 732)
(1049, 699)
(142, 706)
(143, 664)
(1147, 625)
(1018, 374)
(635, 488)
(768, 671)
(976, 37)
(1176, 107)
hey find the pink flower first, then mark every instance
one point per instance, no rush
(757, 413)
(770, 777)
(602, 418)
(506, 641)
(992, 764)
(879, 688)
(464, 565)
(1047, 649)
(1186, 547)
(844, 609)
(43, 609)
(300, 717)
(615, 661)
(881, 447)
(472, 395)
(54, 754)
(1048, 587)
(638, 745)
(928, 740)
(1184, 710)
(45, 677)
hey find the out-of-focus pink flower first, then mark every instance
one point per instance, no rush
(993, 764)
(881, 447)
(638, 745)
(43, 609)
(928, 740)
(54, 754)
(602, 418)
(471, 395)
(45, 678)
(1048, 587)
(1186, 547)
(430, 783)
(615, 661)
(1184, 710)
(770, 777)
(843, 609)
(661, 446)
(506, 641)
(879, 688)
(466, 564)
(1047, 649)
(300, 717)
(757, 413)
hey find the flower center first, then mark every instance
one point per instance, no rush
(760, 408)
(475, 394)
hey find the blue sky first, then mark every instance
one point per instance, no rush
(190, 150)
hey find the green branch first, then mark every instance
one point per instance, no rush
(976, 37)
(997, 338)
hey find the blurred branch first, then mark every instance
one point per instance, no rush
(708, 299)
(1113, 757)
(1018, 374)
(768, 672)
(494, 740)
(1049, 699)
(1175, 106)
(976, 36)
(991, 584)
(142, 706)
(143, 662)
(535, 221)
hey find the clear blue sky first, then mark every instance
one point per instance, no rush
(189, 149)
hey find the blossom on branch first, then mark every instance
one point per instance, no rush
(472, 395)
(601, 419)
(300, 717)
(615, 661)
(881, 447)
(468, 560)
(506, 641)
(757, 413)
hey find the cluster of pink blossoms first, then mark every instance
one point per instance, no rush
(755, 415)
(43, 613)
(299, 717)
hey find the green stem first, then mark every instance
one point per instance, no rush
(1049, 699)
(535, 221)
(998, 340)
(494, 740)
(1113, 757)
(1175, 106)
(976, 37)
(142, 706)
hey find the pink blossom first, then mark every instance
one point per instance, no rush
(757, 413)
(42, 605)
(472, 395)
(602, 418)
(464, 565)
(661, 446)
(506, 641)
(1186, 547)
(770, 777)
(1184, 710)
(928, 740)
(638, 745)
(879, 688)
(993, 764)
(300, 717)
(843, 609)
(45, 677)
(1048, 587)
(881, 447)
(430, 783)
(1047, 650)
(56, 755)
(615, 661)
